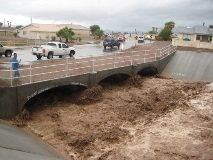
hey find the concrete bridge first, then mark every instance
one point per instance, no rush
(40, 76)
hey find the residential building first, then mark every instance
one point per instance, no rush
(198, 36)
(7, 31)
(46, 31)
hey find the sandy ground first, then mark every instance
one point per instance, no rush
(133, 119)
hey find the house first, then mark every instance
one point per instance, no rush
(7, 31)
(198, 36)
(46, 31)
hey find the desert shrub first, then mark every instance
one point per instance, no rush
(53, 38)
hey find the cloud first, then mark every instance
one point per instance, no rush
(111, 14)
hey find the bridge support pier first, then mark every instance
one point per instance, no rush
(93, 79)
(134, 70)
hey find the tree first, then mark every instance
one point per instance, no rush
(165, 34)
(19, 26)
(169, 25)
(153, 28)
(99, 33)
(1, 24)
(15, 34)
(53, 38)
(66, 33)
(152, 32)
(93, 28)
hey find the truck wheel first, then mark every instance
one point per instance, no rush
(118, 46)
(39, 57)
(8, 54)
(60, 56)
(50, 56)
(72, 53)
(104, 47)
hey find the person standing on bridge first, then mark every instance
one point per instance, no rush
(15, 65)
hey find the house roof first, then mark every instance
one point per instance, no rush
(53, 27)
(7, 29)
(200, 30)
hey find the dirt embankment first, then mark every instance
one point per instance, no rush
(139, 118)
(180, 48)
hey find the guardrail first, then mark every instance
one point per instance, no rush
(43, 70)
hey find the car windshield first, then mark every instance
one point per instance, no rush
(107, 40)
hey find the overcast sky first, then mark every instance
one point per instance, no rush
(117, 15)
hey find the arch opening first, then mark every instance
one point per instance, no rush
(55, 95)
(114, 79)
(149, 71)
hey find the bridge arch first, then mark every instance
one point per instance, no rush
(148, 71)
(114, 78)
(38, 90)
(127, 71)
(27, 92)
(52, 95)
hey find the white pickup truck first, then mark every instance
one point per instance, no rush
(53, 49)
(5, 51)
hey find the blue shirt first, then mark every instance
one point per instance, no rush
(15, 64)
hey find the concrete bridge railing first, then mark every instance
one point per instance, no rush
(39, 76)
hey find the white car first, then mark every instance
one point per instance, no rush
(140, 39)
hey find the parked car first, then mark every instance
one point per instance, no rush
(7, 51)
(140, 39)
(121, 39)
(186, 39)
(111, 42)
(53, 49)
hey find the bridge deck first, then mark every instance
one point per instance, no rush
(40, 76)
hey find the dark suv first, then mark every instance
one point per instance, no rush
(110, 42)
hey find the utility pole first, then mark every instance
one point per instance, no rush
(4, 28)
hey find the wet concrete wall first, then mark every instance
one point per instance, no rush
(8, 101)
(190, 66)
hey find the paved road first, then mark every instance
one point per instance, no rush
(17, 145)
(25, 54)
